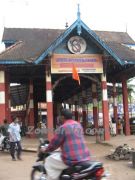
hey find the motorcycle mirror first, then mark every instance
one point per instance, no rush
(41, 140)
(46, 141)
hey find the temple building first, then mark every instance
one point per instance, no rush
(40, 63)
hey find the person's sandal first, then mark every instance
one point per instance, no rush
(13, 159)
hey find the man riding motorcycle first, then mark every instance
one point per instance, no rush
(69, 137)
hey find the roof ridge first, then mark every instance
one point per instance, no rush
(30, 28)
(110, 31)
(11, 47)
(35, 28)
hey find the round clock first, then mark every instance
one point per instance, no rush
(76, 45)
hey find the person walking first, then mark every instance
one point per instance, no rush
(120, 127)
(15, 139)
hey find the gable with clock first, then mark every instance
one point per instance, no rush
(76, 45)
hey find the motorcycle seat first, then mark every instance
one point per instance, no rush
(91, 165)
(82, 167)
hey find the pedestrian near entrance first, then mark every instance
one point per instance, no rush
(120, 127)
(123, 124)
(15, 139)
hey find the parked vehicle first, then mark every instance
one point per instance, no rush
(85, 170)
(132, 125)
(4, 143)
(1, 140)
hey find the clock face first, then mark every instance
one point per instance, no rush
(76, 45)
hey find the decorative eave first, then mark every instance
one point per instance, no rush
(51, 48)
(131, 62)
(102, 44)
(79, 24)
(8, 62)
(9, 41)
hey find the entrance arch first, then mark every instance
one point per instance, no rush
(94, 79)
(84, 98)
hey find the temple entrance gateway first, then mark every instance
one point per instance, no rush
(41, 63)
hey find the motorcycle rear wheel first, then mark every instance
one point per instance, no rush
(37, 175)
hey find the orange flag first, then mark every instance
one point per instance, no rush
(75, 74)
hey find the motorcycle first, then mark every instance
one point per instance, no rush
(85, 170)
(4, 143)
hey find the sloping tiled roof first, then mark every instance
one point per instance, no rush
(35, 41)
(122, 51)
(14, 51)
(27, 34)
(117, 37)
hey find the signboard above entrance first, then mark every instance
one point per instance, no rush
(85, 63)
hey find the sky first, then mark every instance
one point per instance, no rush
(105, 15)
(108, 15)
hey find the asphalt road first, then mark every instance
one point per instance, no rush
(20, 170)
